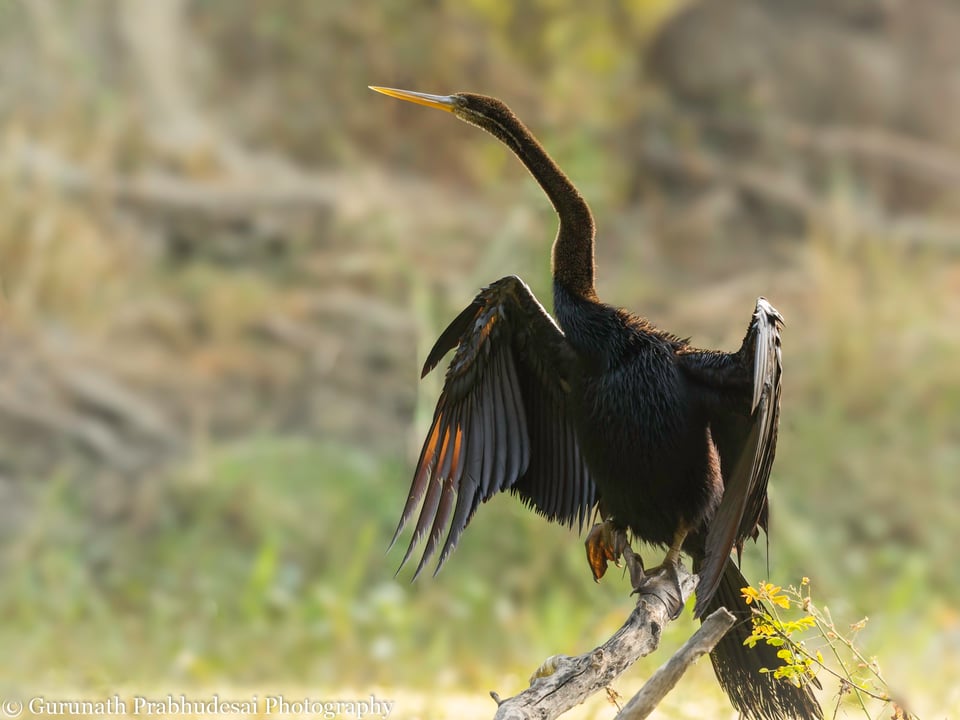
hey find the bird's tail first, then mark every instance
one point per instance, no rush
(758, 696)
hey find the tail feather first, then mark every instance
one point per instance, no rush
(756, 695)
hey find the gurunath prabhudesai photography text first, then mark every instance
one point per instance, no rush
(115, 705)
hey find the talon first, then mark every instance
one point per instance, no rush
(604, 544)
(669, 567)
(655, 576)
(638, 575)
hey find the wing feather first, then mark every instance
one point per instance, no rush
(491, 455)
(744, 421)
(502, 422)
(448, 497)
(504, 437)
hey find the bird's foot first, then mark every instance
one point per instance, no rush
(664, 579)
(605, 544)
(638, 574)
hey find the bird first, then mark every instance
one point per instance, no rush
(597, 409)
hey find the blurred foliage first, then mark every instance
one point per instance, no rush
(272, 551)
(284, 352)
(813, 647)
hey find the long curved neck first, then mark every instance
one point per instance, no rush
(572, 257)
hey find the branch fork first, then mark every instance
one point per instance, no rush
(563, 682)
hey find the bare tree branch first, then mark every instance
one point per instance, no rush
(575, 679)
(664, 680)
(782, 191)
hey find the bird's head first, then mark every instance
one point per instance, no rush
(485, 112)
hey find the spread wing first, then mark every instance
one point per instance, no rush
(502, 421)
(744, 420)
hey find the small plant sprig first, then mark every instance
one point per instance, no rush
(802, 641)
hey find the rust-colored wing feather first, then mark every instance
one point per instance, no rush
(502, 422)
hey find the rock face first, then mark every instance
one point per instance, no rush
(774, 108)
(889, 64)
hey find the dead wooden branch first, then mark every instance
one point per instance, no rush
(776, 189)
(575, 679)
(664, 679)
(897, 152)
(783, 192)
(176, 193)
(922, 160)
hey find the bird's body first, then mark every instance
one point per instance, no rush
(637, 422)
(600, 408)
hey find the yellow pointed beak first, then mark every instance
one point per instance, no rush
(441, 102)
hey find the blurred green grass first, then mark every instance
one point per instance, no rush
(286, 540)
